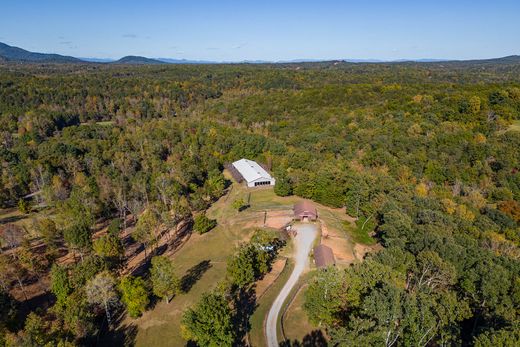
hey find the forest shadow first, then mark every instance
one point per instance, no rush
(122, 335)
(12, 219)
(38, 303)
(145, 265)
(245, 301)
(171, 245)
(194, 274)
(314, 339)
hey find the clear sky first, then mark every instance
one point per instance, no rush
(268, 30)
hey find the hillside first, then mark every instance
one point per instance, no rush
(137, 60)
(16, 54)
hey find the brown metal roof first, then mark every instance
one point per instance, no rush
(305, 208)
(323, 256)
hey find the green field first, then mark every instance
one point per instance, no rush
(296, 324)
(161, 326)
(515, 125)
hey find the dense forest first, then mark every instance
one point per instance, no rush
(429, 152)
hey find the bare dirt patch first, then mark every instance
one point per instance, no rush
(361, 250)
(339, 243)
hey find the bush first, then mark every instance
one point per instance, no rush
(203, 224)
(24, 206)
(114, 227)
(239, 205)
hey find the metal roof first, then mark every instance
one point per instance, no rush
(250, 170)
(323, 256)
(306, 208)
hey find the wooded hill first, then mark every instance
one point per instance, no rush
(428, 151)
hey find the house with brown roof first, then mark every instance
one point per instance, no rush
(305, 211)
(323, 256)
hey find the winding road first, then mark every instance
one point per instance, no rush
(306, 233)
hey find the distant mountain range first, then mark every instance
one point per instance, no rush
(15, 54)
(11, 54)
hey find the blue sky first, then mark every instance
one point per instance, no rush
(268, 30)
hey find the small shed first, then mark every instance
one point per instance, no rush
(305, 211)
(323, 256)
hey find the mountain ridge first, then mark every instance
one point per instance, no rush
(16, 54)
(137, 60)
(19, 55)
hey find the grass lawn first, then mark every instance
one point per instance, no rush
(360, 231)
(296, 323)
(515, 125)
(161, 325)
(265, 199)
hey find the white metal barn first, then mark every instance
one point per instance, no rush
(252, 173)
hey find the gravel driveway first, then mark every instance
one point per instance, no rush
(306, 233)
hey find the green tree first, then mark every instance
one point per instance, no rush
(283, 186)
(76, 314)
(327, 294)
(164, 280)
(24, 206)
(134, 295)
(60, 284)
(146, 230)
(209, 322)
(109, 247)
(78, 237)
(35, 332)
(507, 337)
(203, 224)
(241, 266)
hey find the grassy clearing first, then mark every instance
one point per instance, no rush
(102, 123)
(11, 215)
(161, 326)
(515, 125)
(265, 199)
(361, 230)
(296, 323)
(14, 216)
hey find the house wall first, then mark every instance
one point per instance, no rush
(252, 183)
(311, 216)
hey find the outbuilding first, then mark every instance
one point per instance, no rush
(323, 256)
(305, 211)
(251, 172)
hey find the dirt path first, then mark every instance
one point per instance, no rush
(306, 233)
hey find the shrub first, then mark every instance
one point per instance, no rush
(204, 224)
